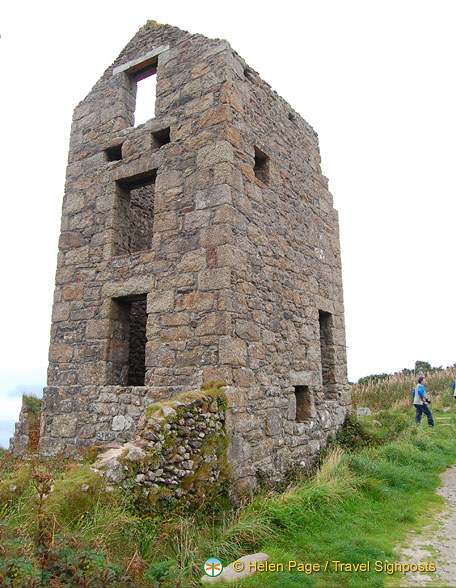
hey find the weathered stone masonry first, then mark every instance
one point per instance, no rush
(202, 245)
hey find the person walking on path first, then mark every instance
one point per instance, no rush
(420, 402)
(453, 385)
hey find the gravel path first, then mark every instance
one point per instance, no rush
(436, 545)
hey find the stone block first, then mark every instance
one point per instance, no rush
(175, 333)
(73, 203)
(193, 261)
(231, 256)
(158, 354)
(160, 301)
(199, 105)
(273, 422)
(232, 351)
(114, 471)
(257, 236)
(175, 319)
(216, 235)
(363, 411)
(77, 256)
(182, 131)
(245, 422)
(73, 291)
(214, 279)
(198, 140)
(165, 221)
(64, 426)
(189, 358)
(232, 97)
(118, 351)
(217, 152)
(127, 287)
(196, 301)
(247, 330)
(167, 180)
(244, 377)
(97, 329)
(216, 115)
(70, 240)
(214, 323)
(121, 423)
(60, 352)
(232, 135)
(239, 449)
(60, 311)
(196, 219)
(214, 196)
(201, 179)
(217, 374)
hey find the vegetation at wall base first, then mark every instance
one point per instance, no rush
(376, 482)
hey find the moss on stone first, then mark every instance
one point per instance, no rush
(212, 444)
(206, 483)
(212, 389)
(150, 461)
(213, 385)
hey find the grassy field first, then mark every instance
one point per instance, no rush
(375, 483)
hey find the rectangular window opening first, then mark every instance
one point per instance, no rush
(145, 79)
(134, 222)
(114, 153)
(161, 137)
(303, 403)
(325, 320)
(261, 167)
(128, 344)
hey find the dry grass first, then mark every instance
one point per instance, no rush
(330, 465)
(395, 391)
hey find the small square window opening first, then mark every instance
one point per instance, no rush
(114, 153)
(161, 137)
(303, 403)
(261, 167)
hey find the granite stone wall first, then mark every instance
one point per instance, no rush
(20, 441)
(240, 263)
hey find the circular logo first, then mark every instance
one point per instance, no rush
(213, 567)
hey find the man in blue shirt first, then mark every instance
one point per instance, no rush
(453, 385)
(420, 402)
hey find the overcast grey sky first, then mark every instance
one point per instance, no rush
(374, 78)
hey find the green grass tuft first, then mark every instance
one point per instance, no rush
(31, 403)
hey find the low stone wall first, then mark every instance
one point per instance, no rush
(180, 451)
(19, 443)
(265, 441)
(26, 432)
(81, 416)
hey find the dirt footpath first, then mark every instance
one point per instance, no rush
(436, 545)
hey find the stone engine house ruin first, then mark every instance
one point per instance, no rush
(200, 246)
